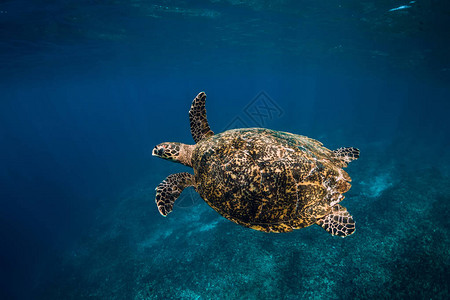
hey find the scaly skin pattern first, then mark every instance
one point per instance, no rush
(268, 180)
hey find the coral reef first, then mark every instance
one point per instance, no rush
(400, 249)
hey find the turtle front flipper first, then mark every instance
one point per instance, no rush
(339, 222)
(170, 189)
(347, 154)
(197, 118)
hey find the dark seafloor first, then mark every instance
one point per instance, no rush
(87, 88)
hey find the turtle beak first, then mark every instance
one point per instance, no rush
(158, 151)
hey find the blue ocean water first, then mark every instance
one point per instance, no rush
(88, 88)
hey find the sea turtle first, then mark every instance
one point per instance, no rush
(263, 179)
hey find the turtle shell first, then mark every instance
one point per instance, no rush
(268, 180)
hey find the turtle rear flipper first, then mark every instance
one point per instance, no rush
(339, 222)
(347, 154)
(170, 189)
(197, 118)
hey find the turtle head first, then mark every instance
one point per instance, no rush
(176, 152)
(169, 151)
